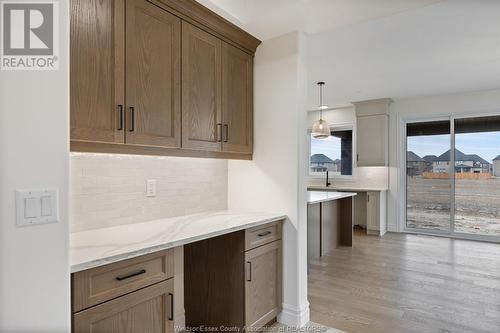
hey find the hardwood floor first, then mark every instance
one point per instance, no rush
(408, 283)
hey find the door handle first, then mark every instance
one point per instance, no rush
(120, 117)
(249, 270)
(171, 314)
(132, 119)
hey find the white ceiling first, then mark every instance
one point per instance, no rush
(383, 48)
(446, 48)
(270, 18)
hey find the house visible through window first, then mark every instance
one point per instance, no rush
(333, 154)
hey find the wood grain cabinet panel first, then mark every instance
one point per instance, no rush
(237, 100)
(153, 76)
(201, 89)
(97, 70)
(263, 284)
(103, 283)
(146, 310)
(262, 234)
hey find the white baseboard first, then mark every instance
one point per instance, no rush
(179, 321)
(294, 316)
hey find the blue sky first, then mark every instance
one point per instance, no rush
(329, 146)
(486, 145)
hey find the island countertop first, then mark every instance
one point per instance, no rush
(322, 196)
(92, 248)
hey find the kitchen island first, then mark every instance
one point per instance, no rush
(329, 221)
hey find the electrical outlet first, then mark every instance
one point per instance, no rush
(151, 188)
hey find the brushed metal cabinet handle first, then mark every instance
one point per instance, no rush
(120, 117)
(219, 132)
(249, 265)
(130, 275)
(265, 233)
(226, 137)
(171, 315)
(132, 119)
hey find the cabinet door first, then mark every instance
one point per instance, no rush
(201, 89)
(147, 310)
(153, 75)
(372, 212)
(263, 284)
(372, 140)
(237, 100)
(97, 70)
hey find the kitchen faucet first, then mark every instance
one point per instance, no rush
(327, 182)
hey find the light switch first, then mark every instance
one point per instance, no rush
(46, 203)
(36, 206)
(31, 207)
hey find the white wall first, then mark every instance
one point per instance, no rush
(274, 180)
(34, 266)
(109, 190)
(472, 103)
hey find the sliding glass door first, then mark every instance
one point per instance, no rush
(453, 177)
(477, 176)
(428, 190)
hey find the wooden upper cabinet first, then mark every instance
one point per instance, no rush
(201, 89)
(97, 70)
(146, 310)
(237, 100)
(153, 86)
(160, 77)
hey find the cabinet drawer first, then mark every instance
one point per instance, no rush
(97, 285)
(262, 234)
(147, 310)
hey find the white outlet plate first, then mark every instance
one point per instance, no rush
(151, 188)
(37, 206)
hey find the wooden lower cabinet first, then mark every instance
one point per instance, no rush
(263, 284)
(146, 310)
(230, 287)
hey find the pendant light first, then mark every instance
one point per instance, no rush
(320, 129)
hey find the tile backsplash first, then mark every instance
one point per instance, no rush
(108, 190)
(363, 177)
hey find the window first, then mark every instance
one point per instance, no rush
(333, 154)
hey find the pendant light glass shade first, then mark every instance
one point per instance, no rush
(320, 128)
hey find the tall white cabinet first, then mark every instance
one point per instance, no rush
(372, 122)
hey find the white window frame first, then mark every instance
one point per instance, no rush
(333, 128)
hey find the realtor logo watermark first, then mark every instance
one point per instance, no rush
(30, 35)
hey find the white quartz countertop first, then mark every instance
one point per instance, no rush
(353, 188)
(99, 247)
(320, 196)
